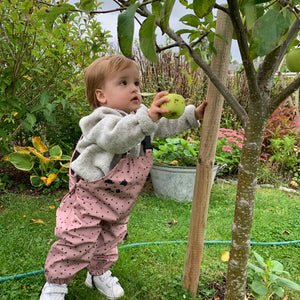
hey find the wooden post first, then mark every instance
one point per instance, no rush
(207, 151)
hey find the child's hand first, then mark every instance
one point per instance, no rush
(155, 111)
(199, 111)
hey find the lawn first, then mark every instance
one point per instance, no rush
(150, 270)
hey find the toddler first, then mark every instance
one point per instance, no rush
(108, 170)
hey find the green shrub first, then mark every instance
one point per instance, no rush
(44, 50)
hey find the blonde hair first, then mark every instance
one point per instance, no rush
(98, 71)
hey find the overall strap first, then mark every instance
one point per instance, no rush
(147, 143)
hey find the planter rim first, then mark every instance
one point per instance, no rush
(173, 167)
(182, 167)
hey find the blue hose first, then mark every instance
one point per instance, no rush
(18, 276)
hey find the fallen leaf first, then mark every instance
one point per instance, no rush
(38, 221)
(225, 256)
(172, 222)
(286, 232)
(52, 206)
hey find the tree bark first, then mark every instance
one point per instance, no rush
(206, 156)
(243, 217)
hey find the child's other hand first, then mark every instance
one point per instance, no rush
(199, 111)
(155, 111)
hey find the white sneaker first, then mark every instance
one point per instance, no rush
(106, 284)
(52, 291)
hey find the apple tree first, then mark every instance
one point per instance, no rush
(266, 29)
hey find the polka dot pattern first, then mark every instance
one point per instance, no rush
(92, 220)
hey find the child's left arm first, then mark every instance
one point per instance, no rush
(199, 111)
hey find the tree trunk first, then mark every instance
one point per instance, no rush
(244, 206)
(206, 156)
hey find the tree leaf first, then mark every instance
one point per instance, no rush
(203, 7)
(225, 256)
(51, 14)
(87, 4)
(156, 8)
(190, 20)
(147, 38)
(126, 29)
(166, 13)
(250, 14)
(269, 28)
(38, 221)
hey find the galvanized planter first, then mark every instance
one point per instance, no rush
(176, 182)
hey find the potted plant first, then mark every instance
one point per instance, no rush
(175, 159)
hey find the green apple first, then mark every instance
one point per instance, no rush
(175, 106)
(293, 60)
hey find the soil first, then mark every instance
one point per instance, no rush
(17, 181)
(220, 288)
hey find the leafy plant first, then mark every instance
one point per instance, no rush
(184, 152)
(266, 280)
(175, 151)
(43, 53)
(45, 164)
(5, 182)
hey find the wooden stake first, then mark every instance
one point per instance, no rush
(207, 151)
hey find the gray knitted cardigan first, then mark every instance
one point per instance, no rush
(109, 133)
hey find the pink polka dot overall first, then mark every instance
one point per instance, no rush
(92, 220)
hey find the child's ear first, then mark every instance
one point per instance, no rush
(100, 96)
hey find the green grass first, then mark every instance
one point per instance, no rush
(148, 271)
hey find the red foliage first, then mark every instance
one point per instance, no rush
(283, 121)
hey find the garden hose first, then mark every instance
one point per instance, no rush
(18, 276)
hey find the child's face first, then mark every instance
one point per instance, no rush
(121, 90)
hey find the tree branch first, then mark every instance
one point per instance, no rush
(241, 35)
(275, 102)
(232, 101)
(272, 61)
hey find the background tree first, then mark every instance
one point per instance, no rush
(43, 49)
(263, 29)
